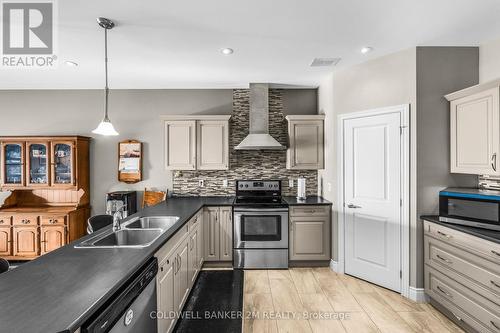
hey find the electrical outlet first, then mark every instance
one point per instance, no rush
(224, 183)
(201, 183)
(329, 186)
(290, 182)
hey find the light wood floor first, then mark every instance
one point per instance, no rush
(276, 301)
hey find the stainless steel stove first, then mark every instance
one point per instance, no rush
(260, 225)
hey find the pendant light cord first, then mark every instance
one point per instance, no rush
(106, 89)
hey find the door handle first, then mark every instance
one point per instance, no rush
(494, 161)
(353, 206)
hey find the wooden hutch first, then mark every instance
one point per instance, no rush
(50, 200)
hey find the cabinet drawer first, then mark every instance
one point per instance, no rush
(52, 220)
(5, 220)
(25, 220)
(483, 311)
(195, 220)
(476, 245)
(453, 261)
(309, 210)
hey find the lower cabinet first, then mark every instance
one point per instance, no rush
(5, 241)
(180, 261)
(52, 237)
(462, 275)
(218, 233)
(25, 236)
(25, 241)
(181, 278)
(310, 233)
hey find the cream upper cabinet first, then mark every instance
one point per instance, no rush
(212, 145)
(475, 130)
(180, 145)
(196, 142)
(306, 142)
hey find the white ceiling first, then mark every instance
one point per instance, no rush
(175, 44)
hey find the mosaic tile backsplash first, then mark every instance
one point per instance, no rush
(248, 164)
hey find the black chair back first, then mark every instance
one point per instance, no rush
(4, 265)
(97, 222)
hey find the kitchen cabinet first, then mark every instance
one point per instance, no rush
(196, 142)
(212, 143)
(475, 130)
(181, 279)
(226, 234)
(5, 241)
(26, 241)
(179, 266)
(165, 292)
(180, 145)
(218, 234)
(462, 275)
(195, 259)
(52, 237)
(309, 233)
(306, 142)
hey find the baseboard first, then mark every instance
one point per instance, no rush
(334, 266)
(418, 295)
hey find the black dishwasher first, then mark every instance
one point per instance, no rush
(130, 309)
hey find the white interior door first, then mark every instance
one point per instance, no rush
(372, 194)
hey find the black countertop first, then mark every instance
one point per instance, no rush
(310, 200)
(490, 235)
(60, 290)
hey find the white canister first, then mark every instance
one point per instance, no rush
(301, 188)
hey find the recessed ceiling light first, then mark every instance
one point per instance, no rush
(366, 49)
(71, 63)
(227, 51)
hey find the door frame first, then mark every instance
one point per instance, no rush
(404, 111)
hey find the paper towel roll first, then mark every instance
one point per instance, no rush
(301, 188)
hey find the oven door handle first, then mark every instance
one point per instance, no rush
(260, 210)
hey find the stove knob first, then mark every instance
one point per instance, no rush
(246, 185)
(241, 185)
(275, 185)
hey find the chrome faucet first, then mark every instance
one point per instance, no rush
(117, 217)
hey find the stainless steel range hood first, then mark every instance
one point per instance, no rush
(259, 138)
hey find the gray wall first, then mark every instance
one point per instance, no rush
(135, 114)
(419, 77)
(440, 70)
(381, 82)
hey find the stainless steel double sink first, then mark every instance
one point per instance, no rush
(138, 232)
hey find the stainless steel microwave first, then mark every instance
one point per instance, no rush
(472, 207)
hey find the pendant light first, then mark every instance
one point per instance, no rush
(105, 127)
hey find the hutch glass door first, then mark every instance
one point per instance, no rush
(63, 163)
(13, 164)
(38, 164)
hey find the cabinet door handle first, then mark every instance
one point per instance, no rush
(444, 259)
(353, 206)
(458, 318)
(495, 284)
(444, 292)
(443, 234)
(494, 325)
(494, 161)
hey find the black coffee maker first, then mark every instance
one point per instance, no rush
(126, 199)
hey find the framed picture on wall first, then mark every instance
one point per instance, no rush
(130, 161)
